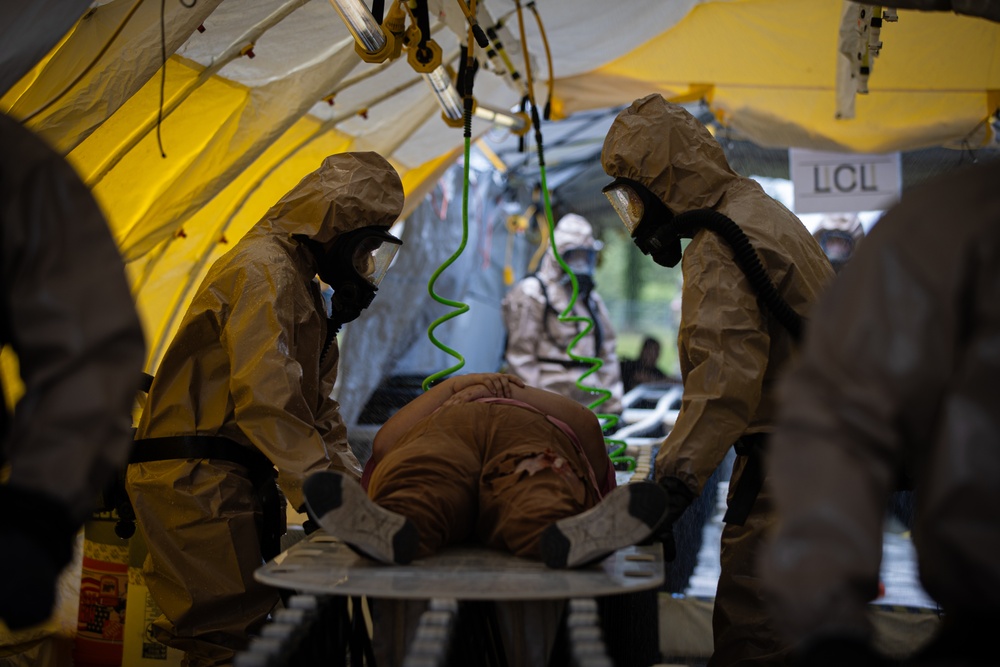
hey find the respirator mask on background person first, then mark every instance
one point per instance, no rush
(647, 219)
(838, 245)
(582, 262)
(354, 267)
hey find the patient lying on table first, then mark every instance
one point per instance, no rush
(484, 458)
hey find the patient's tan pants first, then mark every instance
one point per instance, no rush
(498, 473)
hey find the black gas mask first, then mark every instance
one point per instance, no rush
(582, 262)
(648, 220)
(837, 244)
(354, 266)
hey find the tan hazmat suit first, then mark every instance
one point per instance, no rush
(537, 340)
(731, 351)
(899, 372)
(247, 364)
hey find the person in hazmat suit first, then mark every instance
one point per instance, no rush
(484, 458)
(69, 318)
(537, 341)
(244, 388)
(672, 180)
(839, 235)
(897, 381)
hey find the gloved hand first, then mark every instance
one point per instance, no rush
(837, 652)
(680, 498)
(37, 537)
(28, 589)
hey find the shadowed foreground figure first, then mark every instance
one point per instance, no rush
(899, 374)
(483, 458)
(66, 311)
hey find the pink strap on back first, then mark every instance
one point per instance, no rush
(609, 481)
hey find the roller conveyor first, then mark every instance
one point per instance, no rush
(466, 596)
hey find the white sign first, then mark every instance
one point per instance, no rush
(844, 182)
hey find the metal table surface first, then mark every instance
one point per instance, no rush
(320, 564)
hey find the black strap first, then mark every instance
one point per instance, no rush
(568, 363)
(751, 481)
(262, 474)
(199, 447)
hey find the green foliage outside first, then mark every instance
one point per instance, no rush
(642, 297)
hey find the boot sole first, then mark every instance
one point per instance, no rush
(344, 511)
(627, 516)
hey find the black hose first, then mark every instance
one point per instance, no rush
(747, 259)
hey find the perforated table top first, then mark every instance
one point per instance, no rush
(322, 565)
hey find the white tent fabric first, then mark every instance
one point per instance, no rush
(184, 158)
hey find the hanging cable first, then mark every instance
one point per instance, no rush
(477, 32)
(234, 50)
(90, 65)
(163, 75)
(547, 113)
(467, 71)
(617, 455)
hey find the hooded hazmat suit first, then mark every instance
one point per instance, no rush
(731, 351)
(248, 364)
(900, 370)
(67, 313)
(537, 341)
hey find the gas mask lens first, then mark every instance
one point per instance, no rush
(627, 203)
(837, 244)
(373, 257)
(581, 261)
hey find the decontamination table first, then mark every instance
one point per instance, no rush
(458, 589)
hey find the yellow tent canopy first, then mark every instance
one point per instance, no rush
(185, 157)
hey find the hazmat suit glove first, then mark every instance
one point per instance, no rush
(37, 536)
(28, 591)
(680, 498)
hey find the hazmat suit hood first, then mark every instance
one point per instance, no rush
(348, 191)
(666, 149)
(572, 231)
